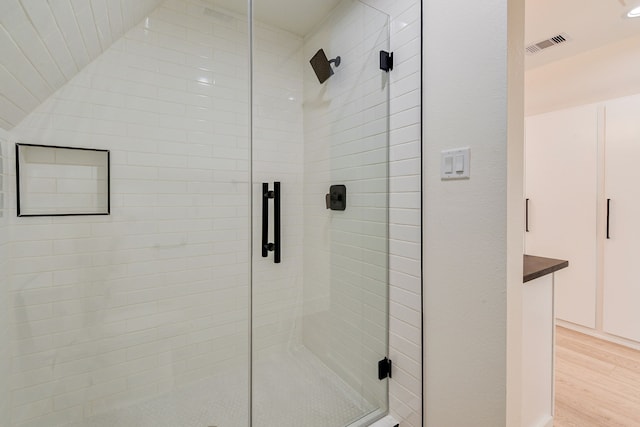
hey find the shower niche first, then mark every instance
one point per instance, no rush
(61, 181)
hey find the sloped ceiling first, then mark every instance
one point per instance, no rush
(44, 43)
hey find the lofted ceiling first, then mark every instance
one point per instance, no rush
(44, 43)
(589, 23)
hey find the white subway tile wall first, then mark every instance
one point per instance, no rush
(277, 156)
(346, 138)
(5, 317)
(405, 329)
(108, 311)
(405, 334)
(111, 310)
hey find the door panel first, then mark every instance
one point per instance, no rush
(320, 315)
(621, 279)
(140, 317)
(561, 155)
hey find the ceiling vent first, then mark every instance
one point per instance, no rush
(545, 44)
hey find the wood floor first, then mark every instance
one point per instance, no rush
(597, 382)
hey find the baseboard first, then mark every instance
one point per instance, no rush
(598, 334)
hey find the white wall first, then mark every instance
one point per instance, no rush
(515, 209)
(469, 263)
(5, 318)
(597, 75)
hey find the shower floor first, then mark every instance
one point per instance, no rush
(291, 389)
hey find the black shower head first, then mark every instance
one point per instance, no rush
(322, 66)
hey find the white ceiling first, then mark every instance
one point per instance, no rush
(44, 43)
(589, 23)
(296, 16)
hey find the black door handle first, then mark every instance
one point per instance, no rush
(276, 222)
(266, 245)
(265, 219)
(608, 211)
(526, 215)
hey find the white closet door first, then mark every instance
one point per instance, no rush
(561, 165)
(621, 311)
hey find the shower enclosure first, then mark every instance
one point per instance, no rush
(241, 276)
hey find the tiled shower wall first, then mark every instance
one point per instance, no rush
(405, 328)
(277, 156)
(90, 317)
(346, 251)
(405, 333)
(5, 341)
(111, 310)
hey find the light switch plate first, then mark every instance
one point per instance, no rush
(454, 164)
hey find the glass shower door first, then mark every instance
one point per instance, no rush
(320, 190)
(140, 317)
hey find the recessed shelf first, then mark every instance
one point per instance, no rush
(62, 181)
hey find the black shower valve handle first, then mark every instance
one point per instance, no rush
(336, 199)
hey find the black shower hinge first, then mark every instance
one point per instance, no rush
(386, 61)
(384, 369)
